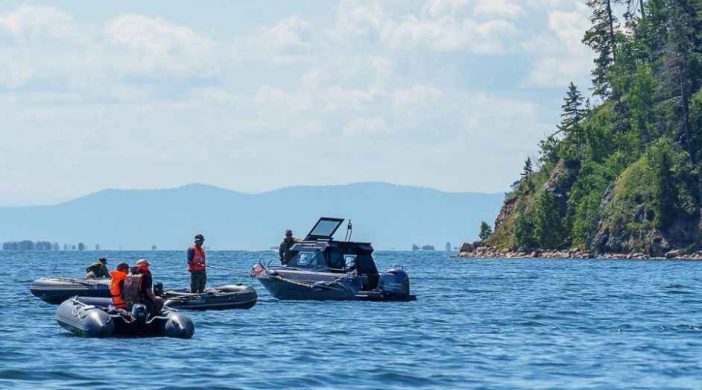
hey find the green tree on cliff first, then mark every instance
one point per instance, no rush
(549, 230)
(485, 231)
(601, 37)
(664, 190)
(624, 174)
(524, 230)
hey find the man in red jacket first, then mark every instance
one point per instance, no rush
(197, 266)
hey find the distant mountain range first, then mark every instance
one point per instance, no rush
(390, 216)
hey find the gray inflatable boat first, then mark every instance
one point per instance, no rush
(57, 290)
(96, 317)
(236, 296)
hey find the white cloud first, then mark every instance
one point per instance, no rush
(154, 45)
(366, 127)
(447, 34)
(37, 23)
(151, 102)
(559, 55)
(357, 18)
(443, 8)
(498, 8)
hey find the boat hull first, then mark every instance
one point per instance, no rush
(323, 286)
(217, 298)
(285, 290)
(57, 290)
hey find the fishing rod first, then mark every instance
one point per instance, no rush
(222, 268)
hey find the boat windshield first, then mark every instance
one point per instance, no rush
(324, 228)
(308, 260)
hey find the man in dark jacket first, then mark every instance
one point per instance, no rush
(98, 269)
(284, 249)
(138, 288)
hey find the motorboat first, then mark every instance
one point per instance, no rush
(321, 268)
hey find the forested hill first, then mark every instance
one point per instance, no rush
(623, 174)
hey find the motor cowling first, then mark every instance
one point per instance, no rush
(395, 283)
(140, 312)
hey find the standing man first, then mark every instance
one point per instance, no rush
(284, 249)
(196, 265)
(97, 269)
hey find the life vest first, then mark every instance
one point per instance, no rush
(131, 291)
(115, 288)
(198, 263)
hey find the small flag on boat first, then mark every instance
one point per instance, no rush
(257, 270)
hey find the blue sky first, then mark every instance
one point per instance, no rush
(253, 96)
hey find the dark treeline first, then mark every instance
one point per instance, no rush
(27, 245)
(622, 172)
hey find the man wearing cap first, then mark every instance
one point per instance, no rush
(138, 288)
(98, 269)
(284, 249)
(197, 266)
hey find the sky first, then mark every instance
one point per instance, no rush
(255, 96)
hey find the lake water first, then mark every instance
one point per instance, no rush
(492, 323)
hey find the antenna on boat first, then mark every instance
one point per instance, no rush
(349, 231)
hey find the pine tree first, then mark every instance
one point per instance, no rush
(523, 231)
(573, 112)
(549, 231)
(664, 191)
(485, 231)
(601, 38)
(528, 170)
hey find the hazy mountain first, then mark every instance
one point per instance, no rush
(390, 216)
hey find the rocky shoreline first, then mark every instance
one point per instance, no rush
(476, 251)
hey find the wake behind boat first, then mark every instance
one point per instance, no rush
(321, 268)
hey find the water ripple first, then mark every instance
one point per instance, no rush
(481, 323)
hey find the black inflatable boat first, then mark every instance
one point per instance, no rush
(96, 317)
(57, 290)
(236, 296)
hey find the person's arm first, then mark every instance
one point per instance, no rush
(90, 268)
(190, 255)
(150, 294)
(281, 250)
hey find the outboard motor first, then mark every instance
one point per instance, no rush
(140, 312)
(394, 283)
(158, 289)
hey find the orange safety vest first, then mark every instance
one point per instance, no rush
(198, 263)
(116, 290)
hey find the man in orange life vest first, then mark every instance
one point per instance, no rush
(196, 265)
(117, 283)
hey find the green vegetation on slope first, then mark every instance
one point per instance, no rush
(624, 174)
